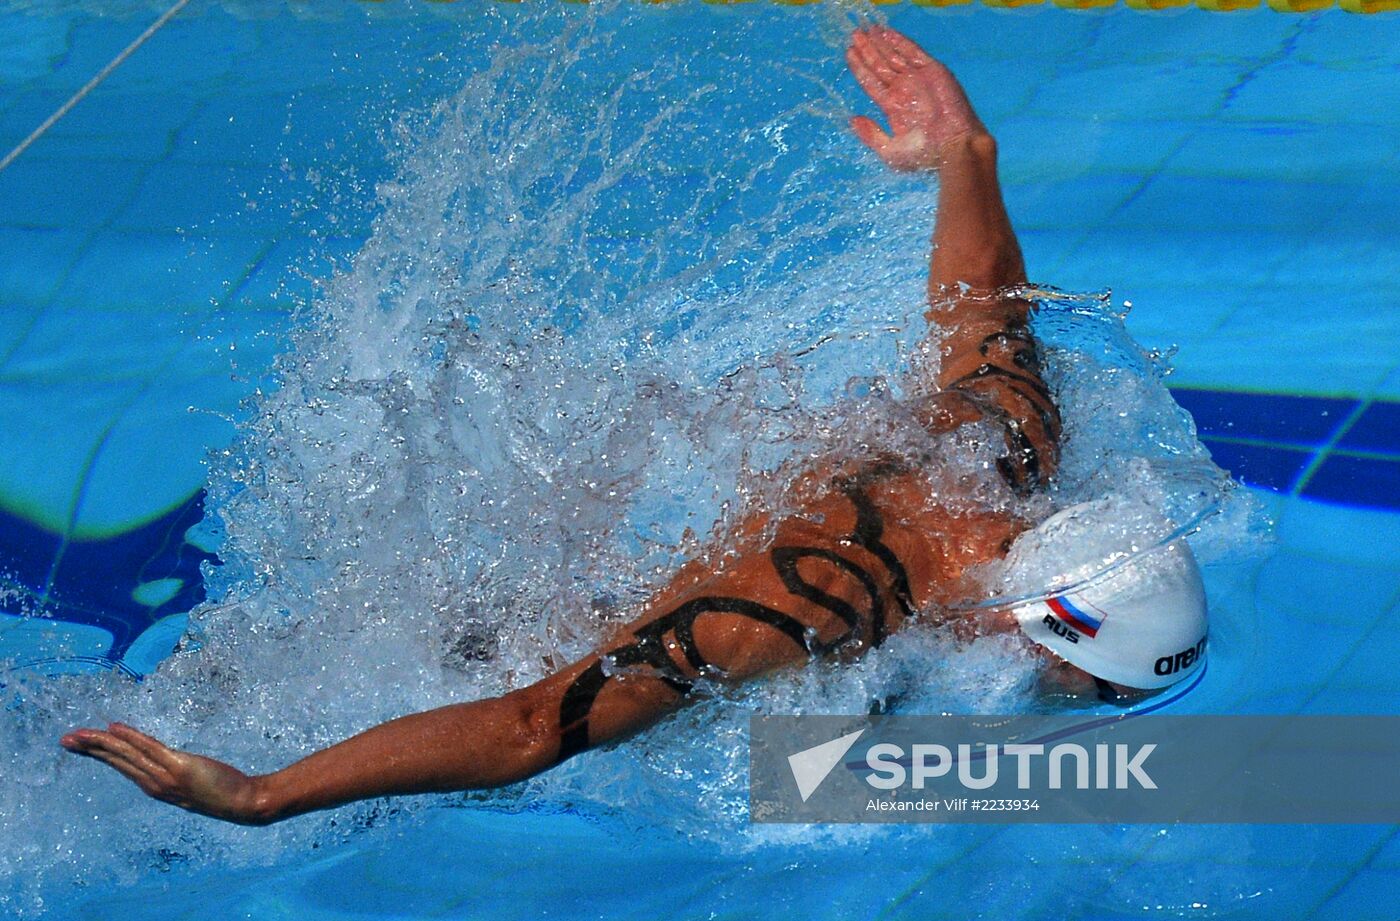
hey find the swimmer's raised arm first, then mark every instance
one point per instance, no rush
(988, 353)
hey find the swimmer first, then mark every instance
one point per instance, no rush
(865, 553)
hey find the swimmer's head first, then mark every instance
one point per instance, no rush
(1140, 625)
(1067, 685)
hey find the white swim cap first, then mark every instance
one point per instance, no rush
(1141, 623)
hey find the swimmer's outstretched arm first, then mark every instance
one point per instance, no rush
(755, 616)
(988, 353)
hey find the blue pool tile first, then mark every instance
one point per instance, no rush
(1193, 34)
(1135, 91)
(1039, 147)
(1389, 388)
(1089, 198)
(1332, 532)
(62, 423)
(160, 271)
(1047, 249)
(1006, 37)
(1370, 210)
(1214, 203)
(207, 200)
(1290, 91)
(1356, 481)
(40, 193)
(33, 45)
(1293, 152)
(74, 150)
(1388, 857)
(141, 439)
(1343, 696)
(136, 118)
(1371, 661)
(239, 128)
(1255, 350)
(200, 51)
(1330, 594)
(1288, 315)
(93, 41)
(97, 346)
(1372, 893)
(1316, 263)
(1188, 263)
(105, 126)
(37, 260)
(23, 112)
(1264, 416)
(1259, 465)
(1355, 42)
(1167, 310)
(1378, 429)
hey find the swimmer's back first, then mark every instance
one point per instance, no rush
(868, 547)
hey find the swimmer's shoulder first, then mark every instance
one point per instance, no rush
(942, 411)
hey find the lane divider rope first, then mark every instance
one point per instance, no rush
(102, 74)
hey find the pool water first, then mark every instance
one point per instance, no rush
(1229, 175)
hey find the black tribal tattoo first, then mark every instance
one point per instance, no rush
(1012, 371)
(648, 650)
(1022, 466)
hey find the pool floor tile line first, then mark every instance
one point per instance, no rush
(1360, 873)
(1324, 450)
(1376, 429)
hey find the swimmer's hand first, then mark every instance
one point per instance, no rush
(927, 109)
(192, 782)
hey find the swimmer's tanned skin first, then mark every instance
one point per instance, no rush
(861, 557)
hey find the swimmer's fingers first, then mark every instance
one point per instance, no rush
(892, 59)
(866, 77)
(878, 91)
(182, 779)
(903, 47)
(874, 56)
(152, 749)
(121, 756)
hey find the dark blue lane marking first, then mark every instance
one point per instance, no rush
(1356, 481)
(1264, 465)
(1272, 417)
(94, 584)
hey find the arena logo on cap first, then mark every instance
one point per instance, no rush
(1170, 665)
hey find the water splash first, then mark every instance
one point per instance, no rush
(609, 303)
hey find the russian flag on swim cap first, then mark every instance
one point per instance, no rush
(1074, 615)
(1146, 614)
